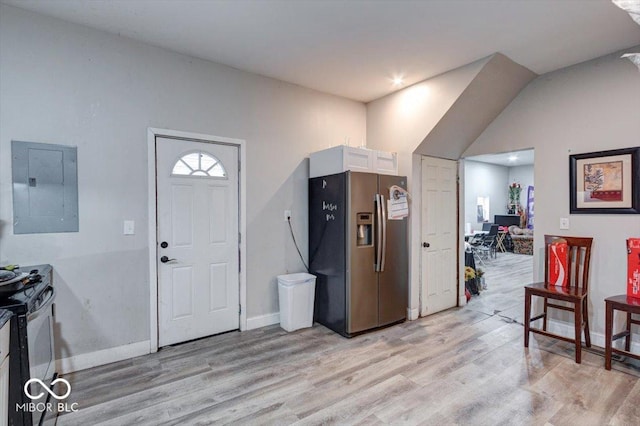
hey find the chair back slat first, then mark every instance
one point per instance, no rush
(576, 263)
(579, 252)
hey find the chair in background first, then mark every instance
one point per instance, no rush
(476, 250)
(486, 227)
(485, 245)
(579, 252)
(476, 244)
(489, 240)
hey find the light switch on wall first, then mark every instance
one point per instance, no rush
(564, 223)
(129, 227)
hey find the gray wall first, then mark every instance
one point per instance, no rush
(68, 84)
(440, 117)
(491, 90)
(585, 108)
(399, 123)
(484, 180)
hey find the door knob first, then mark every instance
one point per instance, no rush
(425, 245)
(164, 244)
(165, 259)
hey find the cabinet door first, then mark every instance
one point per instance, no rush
(357, 159)
(385, 163)
(4, 392)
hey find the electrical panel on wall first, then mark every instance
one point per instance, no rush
(45, 188)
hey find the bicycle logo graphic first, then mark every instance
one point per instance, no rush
(46, 388)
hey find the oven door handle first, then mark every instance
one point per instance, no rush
(45, 306)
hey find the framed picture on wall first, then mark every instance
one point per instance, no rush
(605, 182)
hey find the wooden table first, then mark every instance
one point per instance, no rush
(500, 236)
(629, 305)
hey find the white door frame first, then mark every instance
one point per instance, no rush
(462, 298)
(152, 133)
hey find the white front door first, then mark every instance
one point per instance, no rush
(439, 235)
(197, 252)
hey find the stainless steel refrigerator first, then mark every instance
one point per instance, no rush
(359, 255)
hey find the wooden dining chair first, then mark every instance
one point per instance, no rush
(579, 252)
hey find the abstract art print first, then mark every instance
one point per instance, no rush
(605, 182)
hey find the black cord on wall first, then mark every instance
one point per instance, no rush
(293, 237)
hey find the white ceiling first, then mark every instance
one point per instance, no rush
(508, 159)
(354, 48)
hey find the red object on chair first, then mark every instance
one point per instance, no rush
(579, 256)
(558, 262)
(633, 267)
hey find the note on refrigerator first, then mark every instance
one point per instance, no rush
(398, 203)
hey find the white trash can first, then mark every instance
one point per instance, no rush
(296, 293)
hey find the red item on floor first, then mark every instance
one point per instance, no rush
(558, 259)
(633, 267)
(467, 294)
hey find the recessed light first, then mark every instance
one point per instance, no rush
(513, 158)
(397, 81)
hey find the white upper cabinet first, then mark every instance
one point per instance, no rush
(342, 158)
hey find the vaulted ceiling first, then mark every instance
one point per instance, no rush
(355, 48)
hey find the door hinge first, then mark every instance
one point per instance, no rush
(239, 309)
(239, 238)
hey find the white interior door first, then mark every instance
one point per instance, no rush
(198, 251)
(439, 235)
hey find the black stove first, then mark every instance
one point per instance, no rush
(31, 340)
(25, 298)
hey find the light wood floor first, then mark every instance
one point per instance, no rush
(506, 275)
(462, 366)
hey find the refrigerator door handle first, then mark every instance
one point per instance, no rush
(378, 233)
(383, 249)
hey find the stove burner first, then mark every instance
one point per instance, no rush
(6, 275)
(19, 281)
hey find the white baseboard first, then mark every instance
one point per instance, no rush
(263, 320)
(119, 353)
(102, 357)
(413, 314)
(597, 339)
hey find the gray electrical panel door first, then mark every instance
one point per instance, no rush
(45, 188)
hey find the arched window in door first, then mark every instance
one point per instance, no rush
(199, 164)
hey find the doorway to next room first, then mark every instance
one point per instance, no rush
(499, 219)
